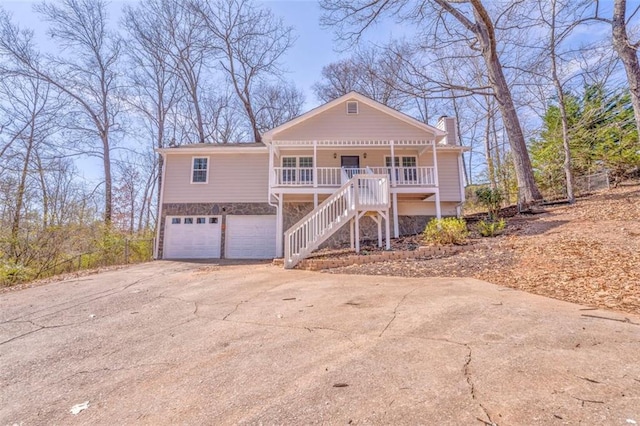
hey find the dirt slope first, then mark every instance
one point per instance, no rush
(588, 253)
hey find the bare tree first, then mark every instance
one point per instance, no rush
(450, 22)
(250, 41)
(276, 104)
(371, 71)
(86, 72)
(628, 53)
(557, 34)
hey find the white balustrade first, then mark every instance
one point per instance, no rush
(336, 176)
(360, 193)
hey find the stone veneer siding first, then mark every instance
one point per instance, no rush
(211, 209)
(408, 225)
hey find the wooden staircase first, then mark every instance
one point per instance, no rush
(361, 194)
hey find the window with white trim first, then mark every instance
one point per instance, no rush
(200, 170)
(409, 170)
(297, 169)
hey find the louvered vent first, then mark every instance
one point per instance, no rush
(352, 107)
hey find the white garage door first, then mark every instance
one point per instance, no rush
(250, 237)
(192, 237)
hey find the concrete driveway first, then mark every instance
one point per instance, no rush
(181, 343)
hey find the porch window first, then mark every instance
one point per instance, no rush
(297, 169)
(289, 169)
(306, 169)
(409, 170)
(200, 169)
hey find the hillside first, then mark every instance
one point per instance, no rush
(588, 253)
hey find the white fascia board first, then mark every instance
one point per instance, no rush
(214, 151)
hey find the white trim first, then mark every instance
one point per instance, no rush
(399, 157)
(205, 150)
(193, 159)
(461, 177)
(297, 157)
(279, 227)
(268, 136)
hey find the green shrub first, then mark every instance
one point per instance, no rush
(491, 228)
(491, 199)
(446, 231)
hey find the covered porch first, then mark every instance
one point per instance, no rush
(319, 168)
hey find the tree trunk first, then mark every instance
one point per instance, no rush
(563, 109)
(524, 171)
(108, 192)
(15, 225)
(628, 55)
(45, 194)
(487, 149)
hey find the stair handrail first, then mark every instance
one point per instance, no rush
(346, 191)
(314, 228)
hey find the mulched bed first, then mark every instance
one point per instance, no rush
(588, 253)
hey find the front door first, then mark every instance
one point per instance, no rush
(350, 164)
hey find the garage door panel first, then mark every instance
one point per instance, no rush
(250, 237)
(192, 240)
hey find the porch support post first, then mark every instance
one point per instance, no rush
(357, 236)
(387, 230)
(279, 227)
(351, 234)
(438, 212)
(393, 166)
(435, 166)
(315, 200)
(396, 225)
(315, 169)
(379, 230)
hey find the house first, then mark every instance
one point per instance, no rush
(351, 161)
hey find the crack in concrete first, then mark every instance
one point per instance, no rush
(472, 387)
(395, 310)
(253, 297)
(195, 303)
(99, 295)
(234, 309)
(292, 327)
(40, 327)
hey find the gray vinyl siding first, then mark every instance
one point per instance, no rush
(368, 124)
(237, 178)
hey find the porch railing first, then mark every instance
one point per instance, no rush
(335, 176)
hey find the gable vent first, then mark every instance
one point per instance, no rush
(352, 107)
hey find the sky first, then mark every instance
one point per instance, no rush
(313, 49)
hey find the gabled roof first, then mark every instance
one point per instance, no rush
(268, 136)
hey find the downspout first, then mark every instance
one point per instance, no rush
(160, 201)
